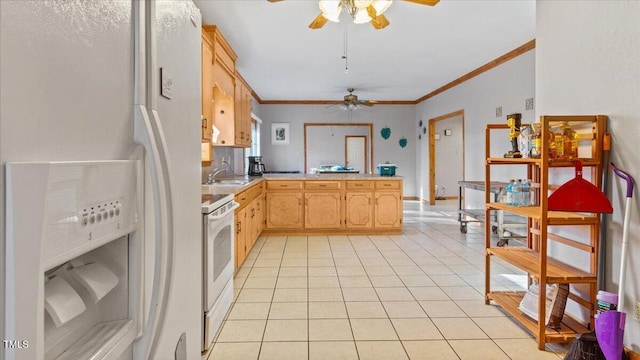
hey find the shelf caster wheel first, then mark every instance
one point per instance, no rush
(463, 228)
(503, 242)
(494, 229)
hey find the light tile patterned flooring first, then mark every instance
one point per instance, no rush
(418, 295)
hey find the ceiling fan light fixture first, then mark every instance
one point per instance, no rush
(331, 9)
(381, 6)
(361, 17)
(362, 4)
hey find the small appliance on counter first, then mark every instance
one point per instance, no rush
(334, 169)
(256, 167)
(387, 169)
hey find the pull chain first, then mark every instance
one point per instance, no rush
(344, 56)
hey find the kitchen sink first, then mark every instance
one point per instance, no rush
(231, 182)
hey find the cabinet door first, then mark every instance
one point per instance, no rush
(239, 113)
(284, 210)
(359, 210)
(246, 121)
(322, 210)
(388, 210)
(207, 92)
(223, 103)
(259, 217)
(241, 236)
(249, 239)
(223, 116)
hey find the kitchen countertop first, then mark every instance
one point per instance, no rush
(252, 180)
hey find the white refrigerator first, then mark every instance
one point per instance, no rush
(97, 80)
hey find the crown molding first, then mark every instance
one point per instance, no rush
(530, 45)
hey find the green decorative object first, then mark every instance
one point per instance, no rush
(402, 142)
(385, 132)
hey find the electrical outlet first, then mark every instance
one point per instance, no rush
(636, 312)
(499, 111)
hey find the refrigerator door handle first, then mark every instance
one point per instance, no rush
(148, 133)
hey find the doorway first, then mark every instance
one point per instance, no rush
(355, 152)
(446, 156)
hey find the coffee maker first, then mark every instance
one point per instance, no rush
(256, 167)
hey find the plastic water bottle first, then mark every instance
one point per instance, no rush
(526, 192)
(510, 192)
(517, 193)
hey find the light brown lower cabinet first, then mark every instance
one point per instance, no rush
(323, 210)
(284, 210)
(388, 210)
(241, 236)
(359, 210)
(249, 220)
(334, 206)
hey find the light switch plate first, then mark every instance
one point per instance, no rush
(499, 111)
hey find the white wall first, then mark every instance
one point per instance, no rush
(587, 62)
(400, 118)
(508, 86)
(326, 144)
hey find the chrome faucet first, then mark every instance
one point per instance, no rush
(211, 177)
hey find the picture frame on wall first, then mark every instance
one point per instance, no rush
(280, 133)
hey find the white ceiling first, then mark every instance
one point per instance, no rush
(423, 49)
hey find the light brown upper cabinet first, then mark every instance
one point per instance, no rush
(242, 113)
(207, 87)
(229, 93)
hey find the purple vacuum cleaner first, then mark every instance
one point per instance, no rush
(610, 324)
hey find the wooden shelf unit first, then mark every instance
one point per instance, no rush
(534, 259)
(509, 302)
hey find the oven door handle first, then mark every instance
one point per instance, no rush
(218, 217)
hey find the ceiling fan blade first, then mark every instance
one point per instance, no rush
(379, 22)
(368, 102)
(318, 22)
(274, 0)
(424, 2)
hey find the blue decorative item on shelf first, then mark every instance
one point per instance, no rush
(385, 132)
(402, 142)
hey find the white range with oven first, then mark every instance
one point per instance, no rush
(218, 262)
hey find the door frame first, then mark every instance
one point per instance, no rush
(432, 151)
(366, 158)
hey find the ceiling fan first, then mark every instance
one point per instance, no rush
(361, 11)
(351, 101)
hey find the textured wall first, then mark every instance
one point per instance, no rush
(587, 63)
(508, 86)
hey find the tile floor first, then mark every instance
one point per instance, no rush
(418, 295)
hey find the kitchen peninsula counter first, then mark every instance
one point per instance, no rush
(317, 204)
(235, 188)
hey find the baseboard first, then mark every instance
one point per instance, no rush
(410, 198)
